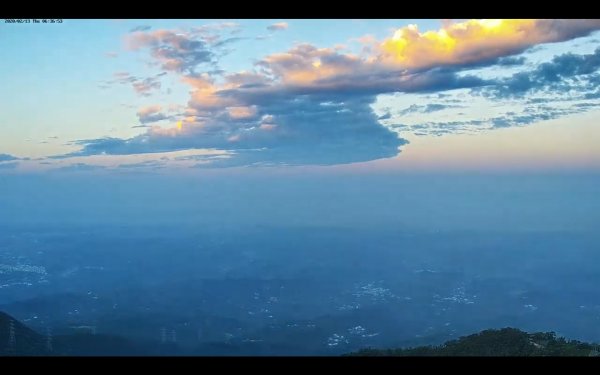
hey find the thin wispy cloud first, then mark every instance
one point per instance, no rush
(142, 86)
(279, 26)
(140, 28)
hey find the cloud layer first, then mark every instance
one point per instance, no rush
(476, 41)
(311, 105)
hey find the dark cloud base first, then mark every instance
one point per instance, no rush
(307, 132)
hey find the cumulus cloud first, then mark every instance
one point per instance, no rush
(311, 105)
(151, 114)
(279, 26)
(476, 41)
(174, 51)
(306, 69)
(564, 73)
(183, 51)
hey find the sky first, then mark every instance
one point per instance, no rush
(202, 96)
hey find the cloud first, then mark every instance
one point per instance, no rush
(174, 51)
(593, 95)
(539, 110)
(145, 86)
(181, 52)
(280, 26)
(511, 61)
(311, 105)
(111, 54)
(565, 85)
(227, 41)
(299, 132)
(307, 69)
(385, 116)
(241, 113)
(476, 41)
(151, 114)
(142, 86)
(7, 157)
(432, 107)
(215, 28)
(140, 28)
(562, 74)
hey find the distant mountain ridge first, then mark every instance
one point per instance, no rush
(16, 339)
(497, 343)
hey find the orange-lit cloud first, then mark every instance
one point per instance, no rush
(292, 98)
(205, 96)
(148, 110)
(305, 63)
(268, 127)
(207, 99)
(394, 64)
(152, 113)
(240, 113)
(475, 41)
(279, 26)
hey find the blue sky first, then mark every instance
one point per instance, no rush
(198, 95)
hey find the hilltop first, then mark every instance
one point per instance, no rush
(24, 341)
(499, 343)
